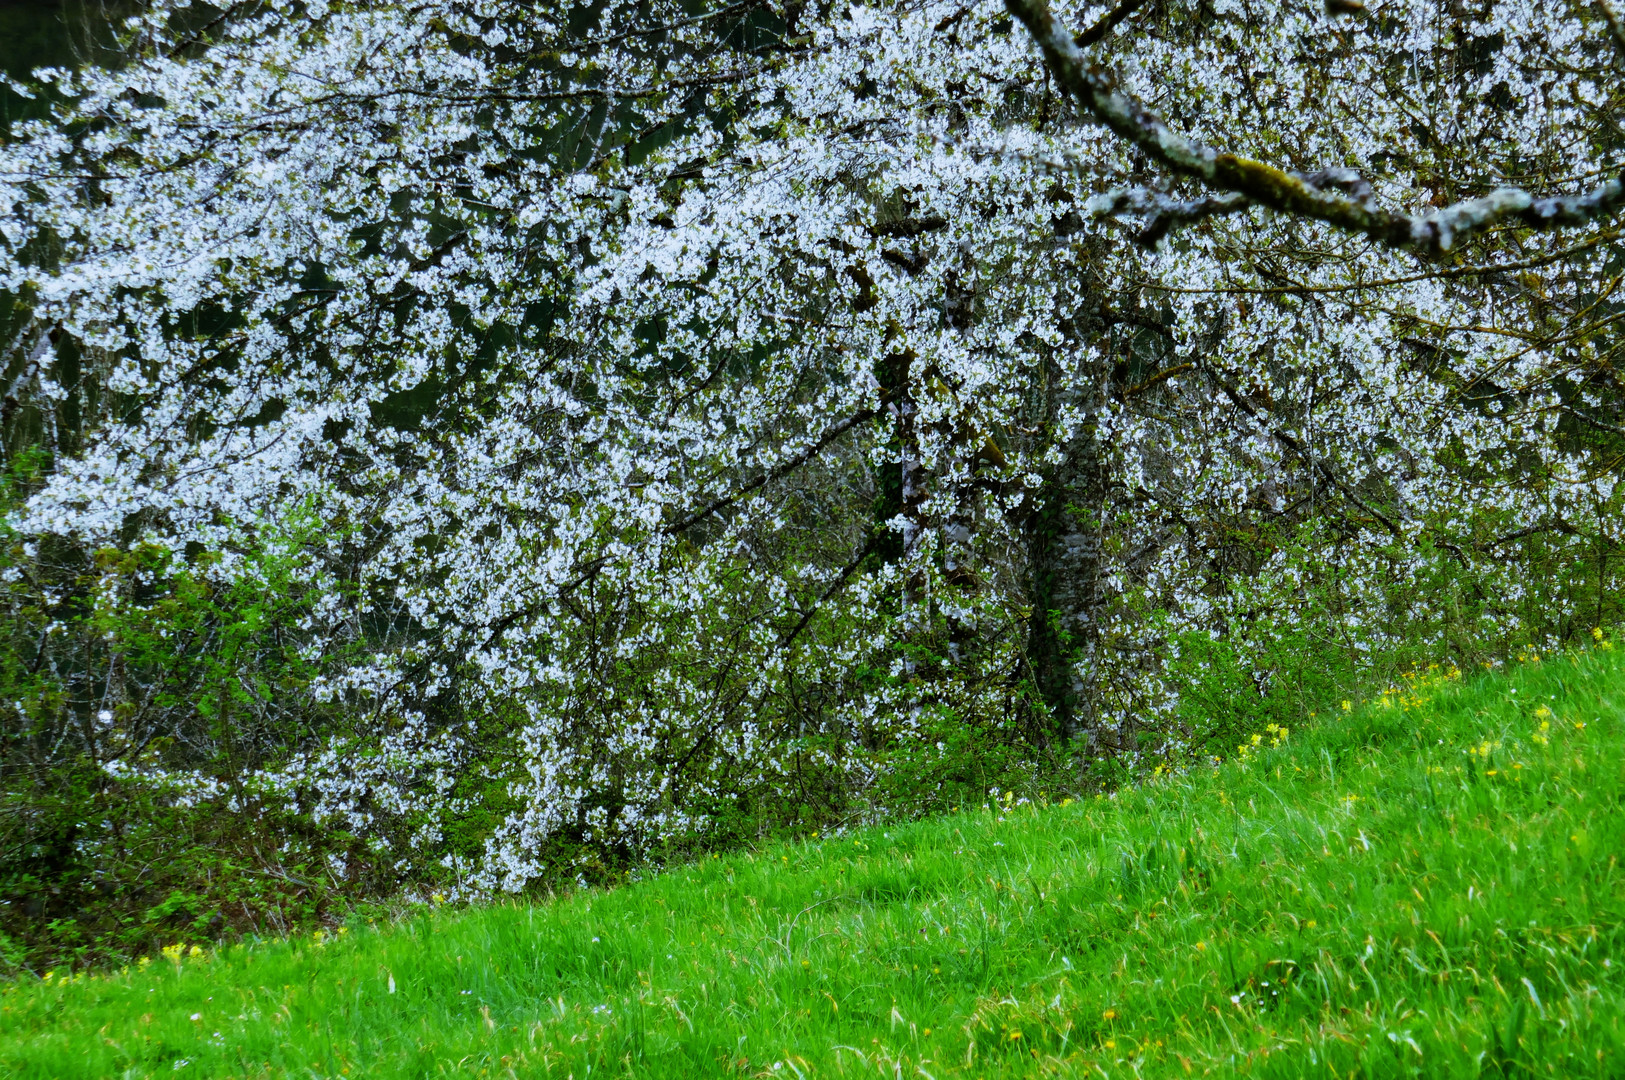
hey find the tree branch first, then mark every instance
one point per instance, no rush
(784, 468)
(834, 587)
(1314, 463)
(1164, 211)
(1108, 22)
(1615, 26)
(1338, 197)
(1160, 377)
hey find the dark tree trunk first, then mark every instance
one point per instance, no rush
(1064, 540)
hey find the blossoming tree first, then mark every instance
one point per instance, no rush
(646, 412)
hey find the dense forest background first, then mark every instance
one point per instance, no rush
(458, 449)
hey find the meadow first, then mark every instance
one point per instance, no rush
(1424, 884)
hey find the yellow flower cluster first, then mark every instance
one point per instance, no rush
(1414, 693)
(1274, 732)
(178, 952)
(66, 980)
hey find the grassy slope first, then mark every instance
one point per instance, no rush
(1419, 888)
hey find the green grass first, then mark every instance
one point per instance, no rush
(1424, 887)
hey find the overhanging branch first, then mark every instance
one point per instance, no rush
(1337, 197)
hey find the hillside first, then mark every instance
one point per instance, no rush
(1427, 884)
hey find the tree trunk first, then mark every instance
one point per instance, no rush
(1064, 546)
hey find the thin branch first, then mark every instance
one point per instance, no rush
(1518, 535)
(784, 468)
(1166, 212)
(664, 28)
(834, 587)
(1337, 197)
(1475, 270)
(1587, 418)
(1160, 377)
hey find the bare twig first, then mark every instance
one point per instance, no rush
(1160, 377)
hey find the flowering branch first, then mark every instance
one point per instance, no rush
(1340, 199)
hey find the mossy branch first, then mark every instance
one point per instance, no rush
(1336, 196)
